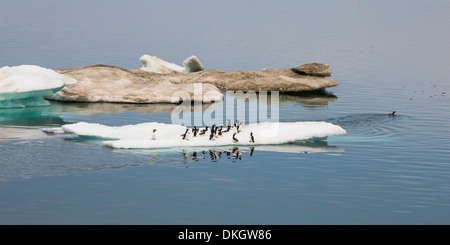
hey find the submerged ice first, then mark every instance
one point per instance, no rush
(26, 85)
(139, 136)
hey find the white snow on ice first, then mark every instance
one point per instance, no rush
(169, 135)
(20, 83)
(155, 64)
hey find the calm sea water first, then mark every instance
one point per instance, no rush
(385, 55)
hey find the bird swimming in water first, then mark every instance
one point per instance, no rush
(228, 127)
(154, 134)
(214, 130)
(392, 114)
(252, 139)
(234, 138)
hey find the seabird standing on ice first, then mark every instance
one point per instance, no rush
(154, 134)
(234, 138)
(216, 133)
(228, 127)
(235, 128)
(194, 131)
(204, 131)
(252, 139)
(185, 136)
(239, 127)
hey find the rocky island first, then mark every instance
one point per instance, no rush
(157, 81)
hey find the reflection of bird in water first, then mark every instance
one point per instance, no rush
(392, 114)
(236, 153)
(235, 128)
(185, 154)
(154, 134)
(213, 154)
(251, 151)
(153, 158)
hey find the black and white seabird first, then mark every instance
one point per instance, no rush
(234, 138)
(392, 114)
(185, 136)
(194, 131)
(154, 134)
(211, 136)
(252, 139)
(239, 127)
(204, 131)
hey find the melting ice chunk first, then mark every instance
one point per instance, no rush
(169, 135)
(155, 64)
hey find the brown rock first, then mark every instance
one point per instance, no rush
(313, 69)
(102, 83)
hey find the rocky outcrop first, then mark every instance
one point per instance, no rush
(313, 69)
(283, 80)
(159, 81)
(102, 83)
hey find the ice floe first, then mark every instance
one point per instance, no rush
(157, 65)
(25, 85)
(139, 136)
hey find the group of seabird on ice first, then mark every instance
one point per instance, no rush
(215, 132)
